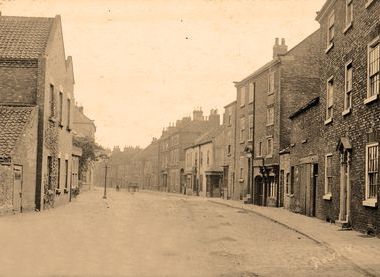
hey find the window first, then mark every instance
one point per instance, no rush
(372, 170)
(241, 171)
(68, 114)
(208, 157)
(269, 146)
(260, 149)
(229, 115)
(270, 115)
(242, 96)
(250, 126)
(52, 100)
(373, 69)
(59, 174)
(60, 107)
(251, 92)
(242, 129)
(201, 158)
(229, 138)
(271, 83)
(292, 179)
(349, 12)
(66, 173)
(287, 183)
(330, 31)
(329, 100)
(328, 174)
(348, 87)
(50, 172)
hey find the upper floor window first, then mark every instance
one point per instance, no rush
(373, 69)
(251, 92)
(270, 115)
(329, 100)
(260, 149)
(331, 29)
(242, 129)
(208, 157)
(348, 87)
(68, 114)
(229, 115)
(271, 83)
(52, 101)
(242, 96)
(269, 146)
(60, 107)
(250, 123)
(349, 12)
(372, 171)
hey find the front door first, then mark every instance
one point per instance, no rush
(17, 188)
(344, 187)
(258, 191)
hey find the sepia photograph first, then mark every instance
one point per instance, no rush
(189, 138)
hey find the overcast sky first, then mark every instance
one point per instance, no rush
(141, 64)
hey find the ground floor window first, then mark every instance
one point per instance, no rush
(372, 170)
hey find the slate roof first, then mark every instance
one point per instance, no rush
(23, 37)
(207, 137)
(13, 120)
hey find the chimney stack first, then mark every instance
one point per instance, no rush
(278, 49)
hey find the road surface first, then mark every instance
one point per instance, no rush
(157, 234)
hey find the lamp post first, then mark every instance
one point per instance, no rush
(249, 154)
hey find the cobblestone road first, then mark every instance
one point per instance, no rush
(156, 234)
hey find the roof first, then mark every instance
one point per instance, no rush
(13, 121)
(304, 108)
(24, 37)
(206, 137)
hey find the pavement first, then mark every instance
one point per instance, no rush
(361, 250)
(159, 234)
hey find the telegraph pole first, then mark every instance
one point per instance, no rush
(105, 182)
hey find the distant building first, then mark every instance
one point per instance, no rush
(229, 130)
(82, 125)
(204, 164)
(172, 144)
(34, 71)
(18, 157)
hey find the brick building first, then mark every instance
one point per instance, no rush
(147, 162)
(229, 131)
(350, 87)
(204, 164)
(299, 162)
(172, 143)
(82, 125)
(18, 157)
(35, 71)
(265, 100)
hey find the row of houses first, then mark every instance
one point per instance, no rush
(38, 116)
(302, 134)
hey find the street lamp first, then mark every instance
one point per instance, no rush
(105, 158)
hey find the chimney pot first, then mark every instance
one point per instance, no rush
(277, 40)
(282, 41)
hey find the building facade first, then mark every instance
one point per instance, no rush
(35, 71)
(350, 87)
(172, 144)
(265, 100)
(204, 164)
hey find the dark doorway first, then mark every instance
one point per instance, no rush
(258, 199)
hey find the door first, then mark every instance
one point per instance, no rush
(344, 187)
(314, 188)
(17, 188)
(259, 190)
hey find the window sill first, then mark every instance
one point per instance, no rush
(328, 121)
(327, 196)
(290, 195)
(329, 47)
(370, 203)
(348, 27)
(346, 111)
(270, 92)
(269, 156)
(242, 106)
(369, 2)
(241, 180)
(250, 102)
(242, 141)
(269, 124)
(371, 99)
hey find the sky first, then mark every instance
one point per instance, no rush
(140, 65)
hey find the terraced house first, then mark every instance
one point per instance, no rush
(350, 87)
(34, 72)
(265, 100)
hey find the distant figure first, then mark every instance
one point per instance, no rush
(117, 188)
